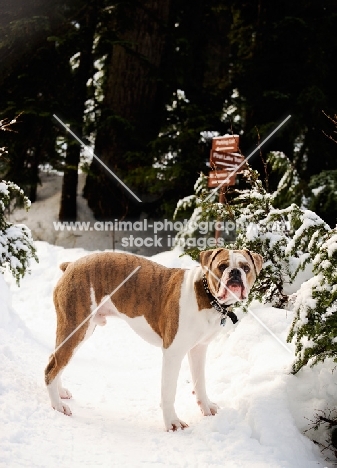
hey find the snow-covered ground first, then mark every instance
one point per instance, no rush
(115, 381)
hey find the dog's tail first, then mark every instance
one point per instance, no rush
(64, 265)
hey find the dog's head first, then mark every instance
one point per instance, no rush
(230, 273)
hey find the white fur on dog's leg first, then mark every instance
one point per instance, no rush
(170, 371)
(197, 359)
(64, 393)
(57, 404)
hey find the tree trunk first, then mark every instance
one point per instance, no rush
(133, 104)
(34, 175)
(68, 207)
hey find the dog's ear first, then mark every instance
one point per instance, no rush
(206, 256)
(258, 261)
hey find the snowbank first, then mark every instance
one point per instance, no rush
(4, 302)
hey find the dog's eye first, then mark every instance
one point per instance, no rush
(246, 268)
(223, 267)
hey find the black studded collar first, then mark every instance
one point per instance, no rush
(222, 309)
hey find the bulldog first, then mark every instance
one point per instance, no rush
(176, 309)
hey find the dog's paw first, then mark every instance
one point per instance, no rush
(208, 408)
(62, 408)
(64, 394)
(176, 424)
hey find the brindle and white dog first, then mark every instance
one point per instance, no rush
(168, 307)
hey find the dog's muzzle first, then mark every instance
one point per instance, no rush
(232, 286)
(235, 283)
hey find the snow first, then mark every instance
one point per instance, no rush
(4, 302)
(318, 190)
(3, 188)
(115, 380)
(331, 245)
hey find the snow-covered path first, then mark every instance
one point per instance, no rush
(115, 382)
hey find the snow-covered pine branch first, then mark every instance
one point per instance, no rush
(314, 328)
(16, 243)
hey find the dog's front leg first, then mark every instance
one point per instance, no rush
(170, 371)
(197, 359)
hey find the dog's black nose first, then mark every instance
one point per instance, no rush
(235, 273)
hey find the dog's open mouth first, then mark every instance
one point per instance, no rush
(234, 290)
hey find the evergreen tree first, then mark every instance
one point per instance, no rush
(134, 99)
(323, 197)
(26, 63)
(315, 325)
(283, 63)
(16, 243)
(37, 81)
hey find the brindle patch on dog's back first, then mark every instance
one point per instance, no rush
(152, 292)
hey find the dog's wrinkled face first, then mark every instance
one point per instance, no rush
(230, 273)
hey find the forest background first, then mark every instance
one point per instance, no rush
(148, 83)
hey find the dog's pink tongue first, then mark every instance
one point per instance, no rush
(236, 289)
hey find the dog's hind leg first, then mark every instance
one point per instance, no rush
(66, 345)
(52, 376)
(170, 371)
(64, 393)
